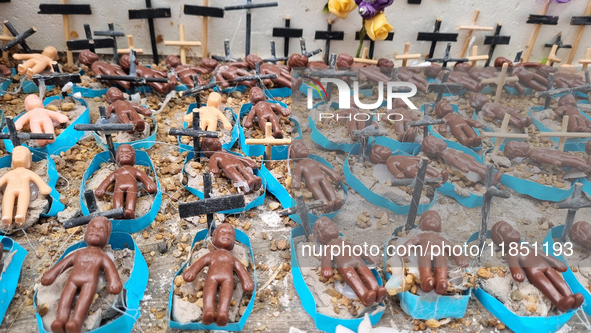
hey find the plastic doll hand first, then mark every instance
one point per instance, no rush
(189, 276)
(248, 286)
(151, 188)
(62, 118)
(99, 193)
(115, 287)
(188, 118)
(327, 272)
(47, 279)
(45, 190)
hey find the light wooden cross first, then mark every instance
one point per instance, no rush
(5, 38)
(471, 29)
(474, 58)
(587, 60)
(269, 141)
(534, 37)
(184, 45)
(579, 36)
(364, 60)
(552, 58)
(204, 32)
(130, 47)
(503, 134)
(500, 81)
(406, 56)
(564, 134)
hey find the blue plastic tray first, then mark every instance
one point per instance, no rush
(10, 278)
(570, 144)
(145, 143)
(450, 143)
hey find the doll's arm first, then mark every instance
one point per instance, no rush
(330, 172)
(472, 122)
(247, 282)
(100, 190)
(213, 164)
(225, 121)
(297, 178)
(21, 56)
(248, 162)
(52, 274)
(326, 269)
(278, 108)
(556, 263)
(250, 118)
(43, 187)
(112, 275)
(20, 122)
(142, 110)
(515, 267)
(148, 183)
(192, 272)
(62, 118)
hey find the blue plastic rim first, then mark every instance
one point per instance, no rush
(88, 92)
(235, 134)
(133, 225)
(201, 235)
(514, 322)
(372, 197)
(570, 144)
(134, 287)
(145, 143)
(29, 87)
(304, 90)
(450, 143)
(277, 152)
(281, 193)
(9, 279)
(66, 140)
(323, 322)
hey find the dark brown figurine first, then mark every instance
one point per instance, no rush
(265, 111)
(435, 147)
(125, 192)
(143, 71)
(455, 76)
(230, 71)
(554, 157)
(236, 168)
(412, 75)
(220, 275)
(540, 269)
(185, 73)
(283, 77)
(353, 124)
(366, 72)
(87, 263)
(580, 234)
(577, 122)
(316, 176)
(352, 268)
(497, 111)
(126, 112)
(403, 166)
(90, 58)
(526, 77)
(433, 268)
(404, 132)
(5, 71)
(460, 126)
(478, 100)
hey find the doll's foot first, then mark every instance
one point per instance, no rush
(19, 220)
(441, 287)
(381, 293)
(58, 326)
(579, 299)
(566, 303)
(140, 126)
(222, 319)
(208, 317)
(338, 204)
(73, 327)
(129, 214)
(278, 135)
(6, 221)
(428, 284)
(329, 207)
(369, 298)
(257, 183)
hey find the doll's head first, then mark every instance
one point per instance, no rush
(297, 60)
(344, 60)
(567, 99)
(503, 233)
(223, 237)
(208, 63)
(478, 100)
(432, 146)
(430, 221)
(125, 155)
(172, 61)
(580, 234)
(114, 94)
(210, 146)
(515, 149)
(50, 52)
(298, 149)
(125, 62)
(252, 60)
(21, 157)
(98, 232)
(214, 100)
(499, 61)
(256, 95)
(325, 230)
(379, 154)
(443, 108)
(33, 102)
(87, 57)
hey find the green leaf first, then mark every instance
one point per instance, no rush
(362, 34)
(544, 61)
(325, 9)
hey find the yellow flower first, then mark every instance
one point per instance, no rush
(341, 8)
(377, 27)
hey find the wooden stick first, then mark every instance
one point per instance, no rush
(182, 43)
(587, 60)
(579, 36)
(563, 128)
(406, 56)
(500, 81)
(66, 18)
(564, 134)
(269, 141)
(471, 29)
(204, 35)
(552, 58)
(130, 47)
(534, 37)
(364, 60)
(474, 58)
(503, 134)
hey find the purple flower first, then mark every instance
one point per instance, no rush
(561, 1)
(370, 8)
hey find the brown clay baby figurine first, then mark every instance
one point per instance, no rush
(494, 111)
(220, 275)
(402, 166)
(18, 188)
(5, 71)
(87, 264)
(580, 234)
(540, 269)
(412, 75)
(265, 111)
(353, 124)
(186, 72)
(316, 176)
(455, 76)
(146, 72)
(90, 58)
(434, 147)
(577, 122)
(514, 149)
(39, 118)
(526, 77)
(433, 268)
(460, 126)
(125, 192)
(352, 268)
(36, 63)
(126, 112)
(283, 77)
(210, 114)
(230, 71)
(402, 118)
(237, 169)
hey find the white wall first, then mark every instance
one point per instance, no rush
(307, 14)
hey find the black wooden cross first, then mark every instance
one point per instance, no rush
(196, 133)
(301, 209)
(209, 205)
(586, 88)
(205, 12)
(227, 54)
(416, 194)
(256, 76)
(444, 88)
(132, 77)
(329, 35)
(150, 14)
(372, 43)
(491, 192)
(303, 49)
(426, 121)
(495, 40)
(363, 137)
(446, 58)
(558, 42)
(19, 39)
(573, 205)
(196, 90)
(248, 7)
(113, 34)
(16, 137)
(332, 72)
(273, 57)
(580, 21)
(104, 125)
(539, 21)
(414, 2)
(93, 210)
(90, 43)
(57, 79)
(436, 36)
(287, 33)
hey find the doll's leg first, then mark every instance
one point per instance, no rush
(253, 181)
(274, 119)
(38, 68)
(48, 128)
(563, 288)
(367, 297)
(85, 298)
(330, 194)
(233, 174)
(140, 124)
(427, 281)
(440, 269)
(118, 198)
(372, 284)
(63, 308)
(209, 291)
(463, 139)
(224, 301)
(318, 194)
(36, 128)
(22, 68)
(130, 201)
(548, 288)
(22, 206)
(7, 208)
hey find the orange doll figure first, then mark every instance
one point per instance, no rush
(220, 275)
(430, 223)
(17, 186)
(236, 168)
(125, 178)
(126, 112)
(87, 263)
(265, 111)
(36, 63)
(351, 267)
(210, 114)
(540, 269)
(316, 175)
(39, 118)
